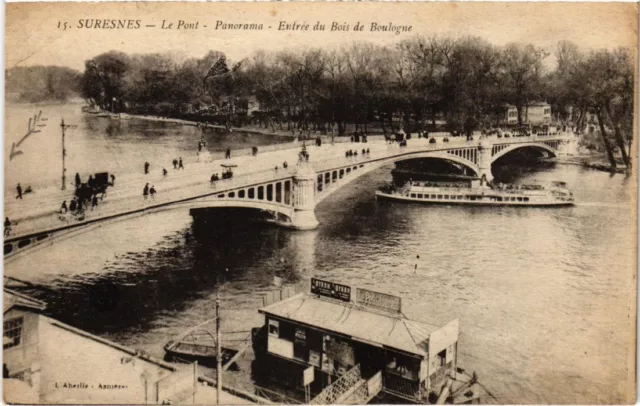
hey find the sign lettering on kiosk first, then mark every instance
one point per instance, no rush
(379, 300)
(330, 289)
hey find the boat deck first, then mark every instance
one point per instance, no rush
(479, 196)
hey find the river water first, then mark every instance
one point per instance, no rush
(96, 144)
(542, 295)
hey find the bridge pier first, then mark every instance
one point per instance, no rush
(304, 203)
(484, 160)
(567, 147)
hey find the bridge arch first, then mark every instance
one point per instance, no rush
(214, 203)
(365, 167)
(17, 247)
(533, 145)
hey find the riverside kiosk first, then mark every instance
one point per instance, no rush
(334, 330)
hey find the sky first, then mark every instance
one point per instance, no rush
(34, 34)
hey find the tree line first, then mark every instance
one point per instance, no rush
(35, 84)
(460, 84)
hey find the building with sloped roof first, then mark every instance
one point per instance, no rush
(49, 362)
(333, 332)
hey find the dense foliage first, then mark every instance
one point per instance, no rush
(421, 83)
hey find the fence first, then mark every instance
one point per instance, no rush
(283, 293)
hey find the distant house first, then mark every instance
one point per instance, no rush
(252, 105)
(534, 114)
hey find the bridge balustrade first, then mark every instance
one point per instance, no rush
(189, 191)
(332, 171)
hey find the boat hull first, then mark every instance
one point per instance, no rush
(171, 355)
(408, 199)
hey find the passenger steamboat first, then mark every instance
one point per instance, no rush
(480, 193)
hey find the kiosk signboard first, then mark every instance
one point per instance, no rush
(379, 300)
(330, 289)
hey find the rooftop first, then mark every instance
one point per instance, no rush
(12, 299)
(359, 322)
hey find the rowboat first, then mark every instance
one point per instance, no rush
(198, 344)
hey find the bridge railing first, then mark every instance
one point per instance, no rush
(391, 151)
(192, 190)
(199, 188)
(394, 149)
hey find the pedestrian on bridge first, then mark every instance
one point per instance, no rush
(145, 192)
(285, 165)
(152, 192)
(228, 154)
(113, 179)
(19, 190)
(164, 172)
(175, 164)
(7, 226)
(146, 168)
(73, 205)
(94, 202)
(180, 166)
(78, 181)
(80, 207)
(63, 208)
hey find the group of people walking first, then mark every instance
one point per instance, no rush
(285, 165)
(20, 192)
(177, 164)
(77, 205)
(149, 191)
(86, 194)
(350, 153)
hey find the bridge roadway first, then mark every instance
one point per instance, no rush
(38, 213)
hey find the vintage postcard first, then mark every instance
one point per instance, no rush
(320, 203)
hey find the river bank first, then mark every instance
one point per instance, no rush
(606, 167)
(596, 162)
(247, 129)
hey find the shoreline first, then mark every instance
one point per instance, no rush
(252, 129)
(606, 167)
(594, 162)
(249, 129)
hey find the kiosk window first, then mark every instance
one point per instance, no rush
(274, 328)
(300, 351)
(442, 357)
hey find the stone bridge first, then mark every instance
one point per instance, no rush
(288, 195)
